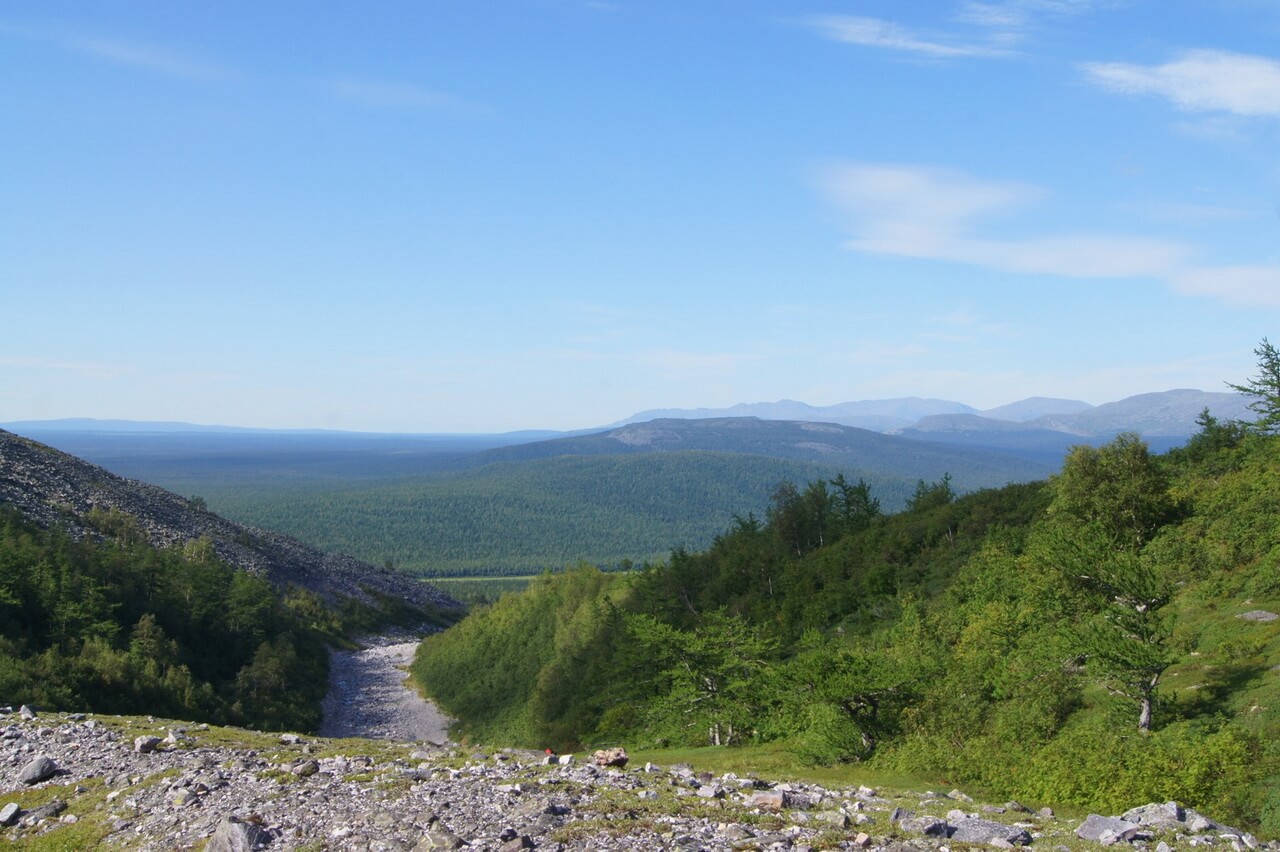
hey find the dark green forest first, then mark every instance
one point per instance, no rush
(1099, 640)
(623, 496)
(118, 626)
(513, 518)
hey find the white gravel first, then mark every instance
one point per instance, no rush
(370, 697)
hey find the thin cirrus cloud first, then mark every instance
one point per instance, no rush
(398, 96)
(934, 214)
(875, 32)
(1016, 15)
(1001, 25)
(127, 52)
(149, 57)
(1200, 81)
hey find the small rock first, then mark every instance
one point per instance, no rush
(182, 798)
(1106, 830)
(566, 760)
(711, 791)
(1199, 823)
(610, 757)
(41, 769)
(293, 739)
(900, 814)
(146, 745)
(1045, 813)
(236, 835)
(769, 800)
(958, 796)
(26, 712)
(438, 837)
(1168, 813)
(839, 819)
(862, 839)
(926, 825)
(305, 768)
(48, 811)
(9, 814)
(986, 831)
(1258, 615)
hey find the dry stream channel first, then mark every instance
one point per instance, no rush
(370, 697)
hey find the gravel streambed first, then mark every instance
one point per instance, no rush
(369, 697)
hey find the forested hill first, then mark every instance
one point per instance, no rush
(860, 452)
(52, 488)
(1105, 639)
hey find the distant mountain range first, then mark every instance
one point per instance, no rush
(1169, 414)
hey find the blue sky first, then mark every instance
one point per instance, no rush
(487, 215)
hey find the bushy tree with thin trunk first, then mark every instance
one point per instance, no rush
(1109, 502)
(1265, 388)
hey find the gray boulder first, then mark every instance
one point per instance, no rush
(48, 811)
(926, 825)
(41, 769)
(769, 800)
(1156, 815)
(985, 831)
(1107, 830)
(146, 745)
(235, 835)
(9, 814)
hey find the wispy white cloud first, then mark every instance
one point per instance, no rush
(935, 214)
(128, 52)
(150, 58)
(1021, 14)
(876, 32)
(1245, 286)
(1189, 213)
(1200, 81)
(975, 29)
(914, 211)
(398, 96)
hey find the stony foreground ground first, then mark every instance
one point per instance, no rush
(138, 783)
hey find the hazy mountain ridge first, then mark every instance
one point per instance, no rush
(862, 451)
(51, 487)
(876, 414)
(1166, 413)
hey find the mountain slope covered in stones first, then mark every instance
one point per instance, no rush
(52, 488)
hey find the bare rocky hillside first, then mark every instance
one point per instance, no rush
(51, 487)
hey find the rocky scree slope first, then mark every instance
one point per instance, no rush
(51, 487)
(75, 781)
